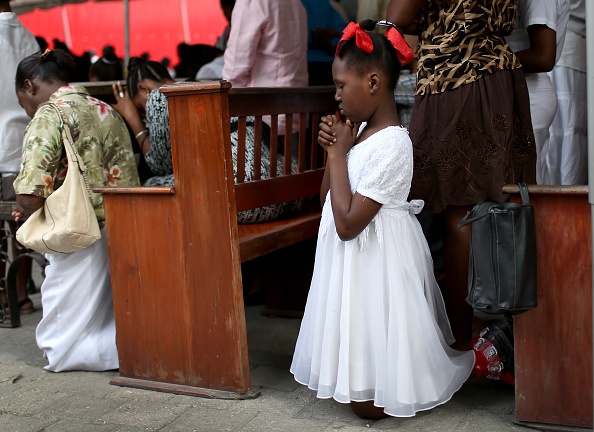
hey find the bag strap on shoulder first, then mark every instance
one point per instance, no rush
(69, 146)
(67, 137)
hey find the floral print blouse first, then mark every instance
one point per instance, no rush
(462, 41)
(100, 136)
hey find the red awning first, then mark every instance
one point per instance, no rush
(156, 26)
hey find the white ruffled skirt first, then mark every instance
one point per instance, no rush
(375, 326)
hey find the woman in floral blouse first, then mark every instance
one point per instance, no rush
(142, 98)
(77, 331)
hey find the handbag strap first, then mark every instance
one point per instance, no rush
(467, 220)
(524, 193)
(71, 152)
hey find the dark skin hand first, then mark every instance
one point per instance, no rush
(352, 213)
(26, 205)
(130, 112)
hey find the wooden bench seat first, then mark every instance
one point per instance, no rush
(256, 240)
(176, 253)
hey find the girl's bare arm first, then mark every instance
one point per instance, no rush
(352, 213)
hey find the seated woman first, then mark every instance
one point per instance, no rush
(77, 331)
(108, 67)
(143, 104)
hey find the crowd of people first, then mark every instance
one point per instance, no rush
(475, 97)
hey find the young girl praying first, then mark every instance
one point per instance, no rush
(375, 333)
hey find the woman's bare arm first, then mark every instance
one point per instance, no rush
(403, 13)
(541, 55)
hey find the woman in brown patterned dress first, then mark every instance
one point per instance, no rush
(470, 126)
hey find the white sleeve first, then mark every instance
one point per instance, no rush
(539, 12)
(388, 171)
(209, 71)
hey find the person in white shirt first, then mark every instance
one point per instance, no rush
(537, 40)
(16, 43)
(212, 70)
(267, 47)
(568, 149)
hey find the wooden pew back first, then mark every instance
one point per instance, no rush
(308, 105)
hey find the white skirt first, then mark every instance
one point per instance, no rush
(77, 331)
(374, 322)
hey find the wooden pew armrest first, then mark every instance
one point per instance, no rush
(548, 190)
(147, 190)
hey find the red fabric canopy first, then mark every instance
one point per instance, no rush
(156, 26)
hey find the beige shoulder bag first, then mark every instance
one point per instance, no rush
(66, 222)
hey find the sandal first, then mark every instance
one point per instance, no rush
(26, 306)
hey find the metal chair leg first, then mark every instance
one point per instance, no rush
(11, 284)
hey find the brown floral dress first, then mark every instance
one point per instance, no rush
(470, 126)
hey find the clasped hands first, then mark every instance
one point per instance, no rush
(336, 134)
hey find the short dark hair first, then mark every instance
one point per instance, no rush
(140, 69)
(383, 56)
(54, 65)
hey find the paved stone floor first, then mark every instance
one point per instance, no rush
(34, 400)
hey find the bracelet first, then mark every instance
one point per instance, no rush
(139, 134)
(142, 142)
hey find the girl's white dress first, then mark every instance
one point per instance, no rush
(375, 326)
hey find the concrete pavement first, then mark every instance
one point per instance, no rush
(34, 400)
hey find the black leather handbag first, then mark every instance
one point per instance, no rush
(502, 270)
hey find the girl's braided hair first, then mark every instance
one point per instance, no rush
(140, 69)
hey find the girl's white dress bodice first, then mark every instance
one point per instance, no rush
(375, 326)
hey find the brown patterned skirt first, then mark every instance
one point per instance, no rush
(470, 141)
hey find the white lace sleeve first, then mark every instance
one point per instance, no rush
(387, 173)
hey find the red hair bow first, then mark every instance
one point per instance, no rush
(403, 51)
(362, 39)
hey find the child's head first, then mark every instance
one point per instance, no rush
(366, 69)
(383, 56)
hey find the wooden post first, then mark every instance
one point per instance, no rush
(553, 349)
